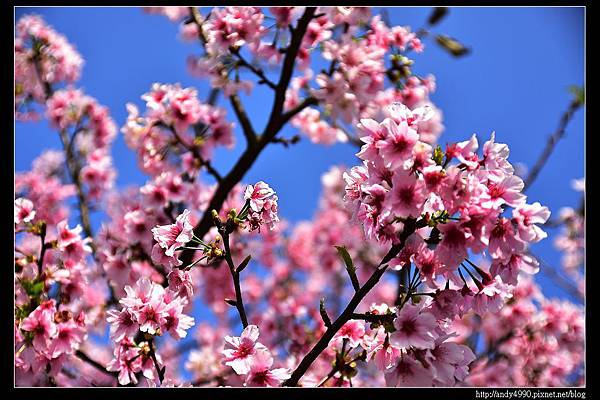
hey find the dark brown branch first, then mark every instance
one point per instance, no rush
(276, 122)
(409, 228)
(234, 99)
(309, 101)
(85, 358)
(374, 318)
(241, 115)
(40, 262)
(287, 70)
(551, 143)
(197, 18)
(74, 171)
(213, 95)
(159, 370)
(235, 275)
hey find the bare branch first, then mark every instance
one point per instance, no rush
(551, 143)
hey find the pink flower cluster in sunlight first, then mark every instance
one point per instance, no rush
(170, 113)
(415, 268)
(170, 237)
(464, 203)
(148, 308)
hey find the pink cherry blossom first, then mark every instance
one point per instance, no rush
(171, 237)
(414, 328)
(353, 331)
(397, 147)
(240, 352)
(260, 373)
(24, 211)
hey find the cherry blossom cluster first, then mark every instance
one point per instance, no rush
(150, 309)
(46, 337)
(124, 242)
(357, 45)
(354, 87)
(43, 187)
(538, 341)
(260, 209)
(453, 305)
(42, 56)
(56, 294)
(93, 132)
(170, 112)
(417, 352)
(462, 204)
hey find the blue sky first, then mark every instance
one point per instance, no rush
(514, 82)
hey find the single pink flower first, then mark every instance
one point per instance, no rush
(260, 373)
(123, 324)
(171, 237)
(414, 328)
(240, 351)
(24, 211)
(396, 147)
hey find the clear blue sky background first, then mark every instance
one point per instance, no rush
(514, 82)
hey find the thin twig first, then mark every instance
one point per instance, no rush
(209, 168)
(235, 275)
(552, 273)
(40, 262)
(551, 143)
(257, 71)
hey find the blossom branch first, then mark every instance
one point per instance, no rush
(74, 169)
(276, 121)
(72, 164)
(410, 227)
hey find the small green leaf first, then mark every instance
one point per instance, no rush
(343, 252)
(452, 45)
(33, 288)
(349, 266)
